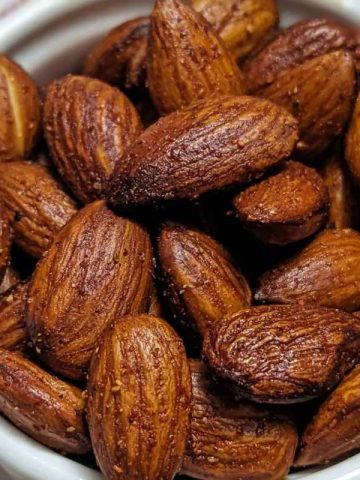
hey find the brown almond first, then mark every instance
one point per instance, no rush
(343, 210)
(88, 126)
(187, 60)
(234, 439)
(284, 353)
(139, 400)
(19, 111)
(35, 204)
(209, 145)
(13, 305)
(326, 272)
(319, 93)
(120, 58)
(352, 151)
(97, 269)
(301, 42)
(202, 284)
(154, 307)
(287, 207)
(5, 241)
(11, 278)
(334, 431)
(41, 405)
(243, 25)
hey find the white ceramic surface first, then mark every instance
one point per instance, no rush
(49, 38)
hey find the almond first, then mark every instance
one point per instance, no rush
(41, 405)
(88, 126)
(11, 278)
(120, 58)
(209, 145)
(13, 303)
(326, 272)
(243, 25)
(284, 353)
(5, 242)
(284, 208)
(202, 283)
(234, 439)
(187, 60)
(319, 93)
(352, 152)
(97, 269)
(334, 431)
(35, 204)
(139, 400)
(154, 307)
(301, 42)
(19, 111)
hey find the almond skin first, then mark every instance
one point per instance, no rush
(207, 146)
(301, 42)
(5, 242)
(35, 204)
(11, 278)
(139, 400)
(187, 60)
(284, 353)
(202, 284)
(231, 440)
(97, 269)
(326, 272)
(88, 126)
(120, 58)
(41, 405)
(335, 429)
(352, 151)
(319, 93)
(19, 111)
(243, 25)
(154, 307)
(13, 305)
(284, 208)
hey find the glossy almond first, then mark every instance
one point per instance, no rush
(287, 207)
(35, 204)
(352, 152)
(202, 283)
(209, 145)
(88, 126)
(284, 353)
(97, 269)
(301, 42)
(187, 60)
(120, 58)
(19, 111)
(139, 400)
(243, 25)
(319, 93)
(326, 272)
(335, 429)
(41, 405)
(234, 439)
(13, 305)
(5, 241)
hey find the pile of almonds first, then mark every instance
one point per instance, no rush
(179, 259)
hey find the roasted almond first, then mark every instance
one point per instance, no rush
(287, 207)
(301, 42)
(234, 439)
(35, 204)
(202, 284)
(154, 307)
(187, 60)
(11, 278)
(41, 405)
(5, 241)
(343, 212)
(209, 145)
(334, 431)
(139, 400)
(120, 58)
(243, 25)
(13, 305)
(97, 269)
(352, 151)
(326, 272)
(19, 111)
(319, 93)
(88, 126)
(284, 353)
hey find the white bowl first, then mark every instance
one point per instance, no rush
(49, 38)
